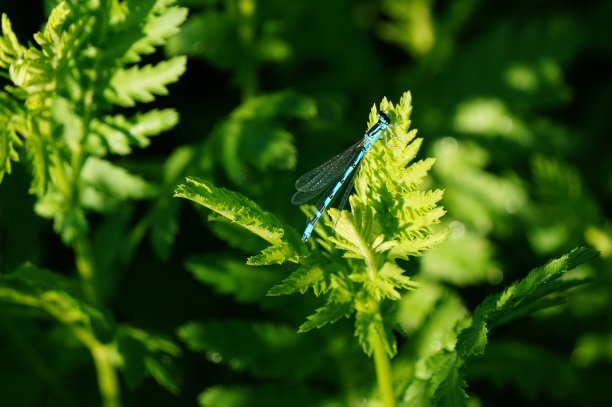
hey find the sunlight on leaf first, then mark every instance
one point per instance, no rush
(285, 245)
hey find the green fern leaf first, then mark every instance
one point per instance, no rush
(248, 145)
(340, 303)
(144, 353)
(54, 99)
(141, 84)
(234, 207)
(408, 213)
(59, 298)
(435, 323)
(116, 134)
(309, 275)
(39, 75)
(34, 74)
(286, 103)
(413, 247)
(347, 236)
(56, 296)
(385, 283)
(9, 140)
(448, 380)
(277, 254)
(165, 23)
(105, 185)
(55, 82)
(528, 295)
(246, 213)
(10, 48)
(370, 327)
(37, 150)
(253, 139)
(53, 28)
(130, 39)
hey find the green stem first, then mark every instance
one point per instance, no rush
(383, 373)
(107, 376)
(381, 359)
(82, 246)
(85, 267)
(102, 355)
(244, 12)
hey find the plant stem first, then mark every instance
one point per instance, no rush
(244, 13)
(85, 267)
(383, 373)
(107, 376)
(108, 383)
(103, 356)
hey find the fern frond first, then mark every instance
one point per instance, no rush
(233, 206)
(39, 75)
(285, 244)
(386, 282)
(286, 103)
(536, 291)
(309, 275)
(448, 380)
(340, 303)
(441, 379)
(38, 153)
(10, 48)
(141, 84)
(105, 185)
(371, 326)
(117, 134)
(59, 84)
(147, 354)
(253, 138)
(404, 214)
(9, 140)
(390, 219)
(140, 26)
(54, 295)
(135, 351)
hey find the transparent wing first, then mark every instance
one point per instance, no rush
(315, 181)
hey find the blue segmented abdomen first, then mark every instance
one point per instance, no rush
(330, 197)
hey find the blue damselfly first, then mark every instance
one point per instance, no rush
(346, 163)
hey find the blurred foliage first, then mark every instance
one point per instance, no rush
(511, 99)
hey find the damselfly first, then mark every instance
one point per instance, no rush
(346, 163)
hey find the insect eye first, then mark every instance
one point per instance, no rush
(384, 117)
